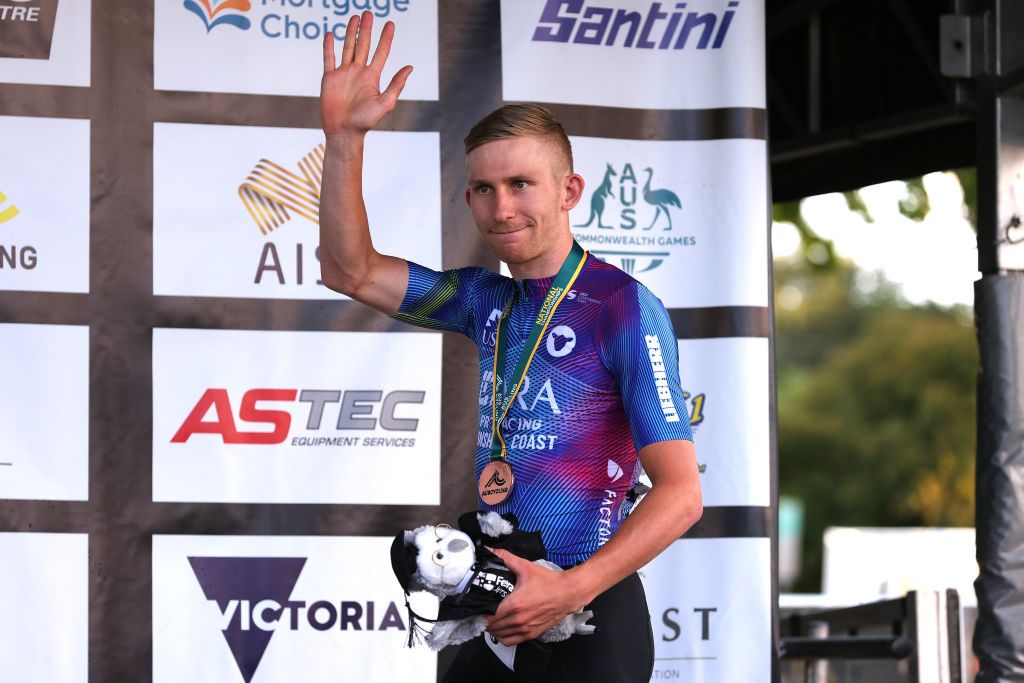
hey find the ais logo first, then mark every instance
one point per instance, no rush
(632, 217)
(272, 195)
(254, 598)
(229, 12)
(577, 21)
(356, 411)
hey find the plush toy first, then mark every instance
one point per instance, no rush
(456, 567)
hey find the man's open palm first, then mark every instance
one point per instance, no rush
(351, 101)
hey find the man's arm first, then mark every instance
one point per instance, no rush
(351, 104)
(542, 597)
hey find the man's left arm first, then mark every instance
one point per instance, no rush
(542, 597)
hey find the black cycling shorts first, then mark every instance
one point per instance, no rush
(621, 651)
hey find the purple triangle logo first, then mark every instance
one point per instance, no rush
(227, 579)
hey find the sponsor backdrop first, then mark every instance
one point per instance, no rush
(204, 451)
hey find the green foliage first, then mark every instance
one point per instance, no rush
(876, 402)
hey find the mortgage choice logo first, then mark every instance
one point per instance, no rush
(340, 417)
(278, 604)
(281, 41)
(710, 605)
(251, 196)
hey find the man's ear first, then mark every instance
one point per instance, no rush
(574, 185)
(467, 197)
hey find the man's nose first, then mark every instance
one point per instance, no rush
(504, 206)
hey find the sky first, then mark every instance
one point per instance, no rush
(935, 260)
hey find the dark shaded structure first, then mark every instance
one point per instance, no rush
(873, 90)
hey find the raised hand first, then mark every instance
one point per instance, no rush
(351, 102)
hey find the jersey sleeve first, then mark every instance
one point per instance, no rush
(439, 300)
(638, 346)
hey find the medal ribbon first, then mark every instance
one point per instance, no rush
(501, 399)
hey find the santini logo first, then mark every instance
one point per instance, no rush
(577, 21)
(214, 13)
(9, 212)
(253, 595)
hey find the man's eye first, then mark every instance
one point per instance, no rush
(483, 189)
(520, 184)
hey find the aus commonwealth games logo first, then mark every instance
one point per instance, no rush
(632, 219)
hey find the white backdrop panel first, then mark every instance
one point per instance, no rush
(710, 602)
(70, 49)
(207, 243)
(637, 65)
(358, 421)
(44, 219)
(274, 48)
(692, 227)
(364, 639)
(44, 588)
(44, 412)
(727, 379)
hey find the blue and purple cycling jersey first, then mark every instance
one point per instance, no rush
(603, 384)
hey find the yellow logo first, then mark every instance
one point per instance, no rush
(271, 193)
(8, 213)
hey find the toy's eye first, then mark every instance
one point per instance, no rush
(440, 558)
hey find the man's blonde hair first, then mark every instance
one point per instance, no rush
(520, 120)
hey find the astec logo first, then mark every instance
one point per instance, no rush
(254, 597)
(619, 204)
(576, 21)
(217, 13)
(272, 194)
(358, 411)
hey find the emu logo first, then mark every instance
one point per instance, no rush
(561, 341)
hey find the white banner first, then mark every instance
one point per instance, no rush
(710, 602)
(236, 208)
(702, 54)
(44, 204)
(44, 588)
(274, 47)
(258, 609)
(296, 417)
(45, 42)
(686, 218)
(44, 412)
(727, 385)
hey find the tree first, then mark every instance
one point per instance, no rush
(876, 406)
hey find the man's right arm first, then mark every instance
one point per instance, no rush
(351, 104)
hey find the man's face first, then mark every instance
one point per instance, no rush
(520, 192)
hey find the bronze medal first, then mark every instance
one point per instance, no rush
(496, 482)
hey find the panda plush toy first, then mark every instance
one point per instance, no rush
(470, 581)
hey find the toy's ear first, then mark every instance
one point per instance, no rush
(403, 559)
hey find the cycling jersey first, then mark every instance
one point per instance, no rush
(603, 384)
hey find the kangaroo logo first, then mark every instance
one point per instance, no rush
(597, 199)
